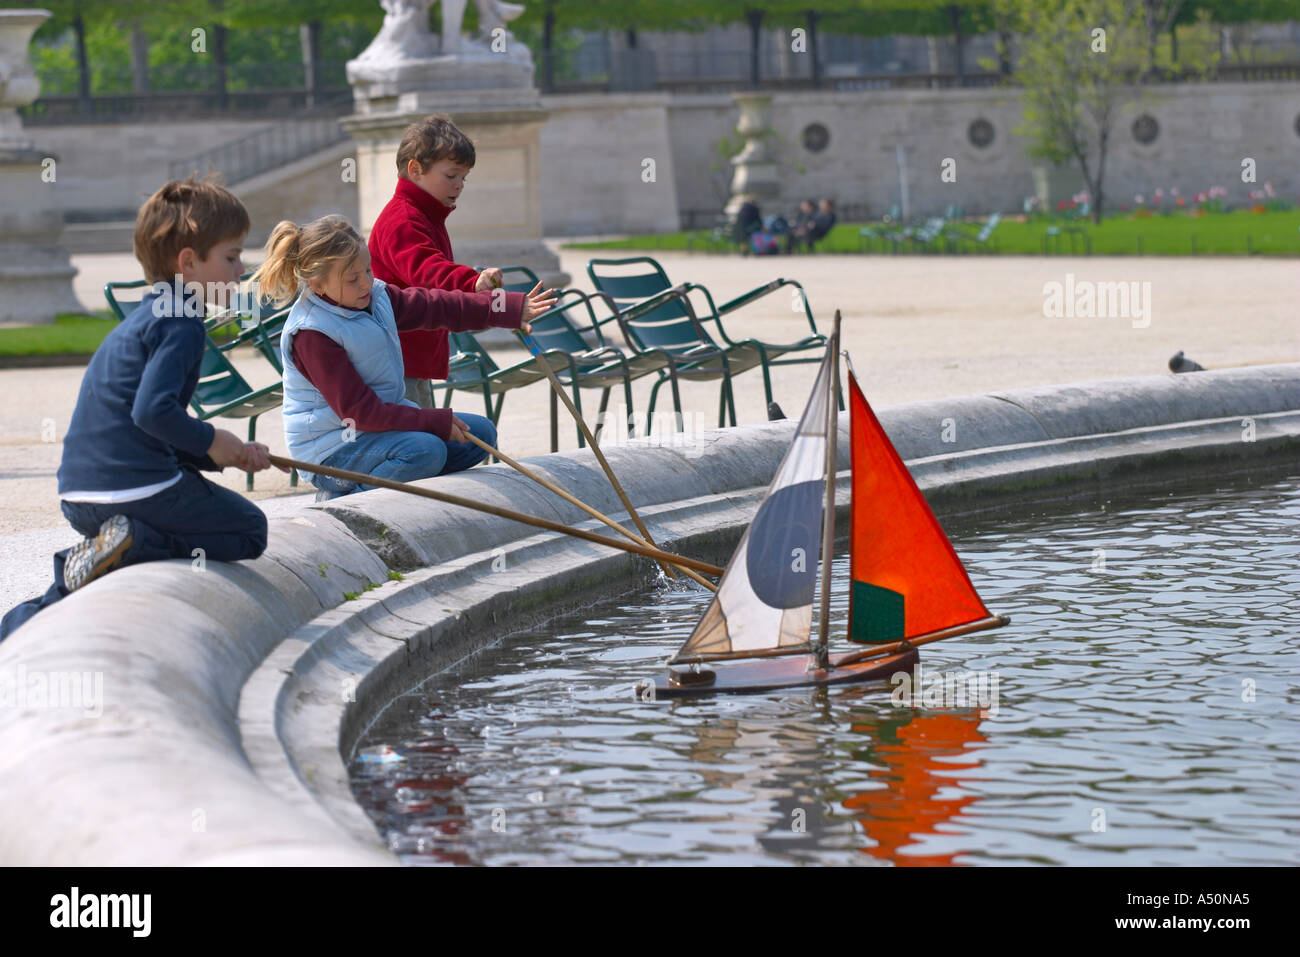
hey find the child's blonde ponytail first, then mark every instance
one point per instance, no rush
(277, 278)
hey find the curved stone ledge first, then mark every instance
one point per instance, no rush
(230, 693)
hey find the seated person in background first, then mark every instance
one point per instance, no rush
(748, 220)
(802, 223)
(822, 222)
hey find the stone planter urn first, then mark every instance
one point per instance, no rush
(35, 274)
(754, 173)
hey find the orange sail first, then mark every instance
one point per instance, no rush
(906, 579)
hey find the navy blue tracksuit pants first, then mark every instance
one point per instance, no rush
(192, 513)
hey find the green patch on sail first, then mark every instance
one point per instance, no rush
(877, 614)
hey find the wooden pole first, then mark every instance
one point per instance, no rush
(573, 500)
(361, 478)
(533, 347)
(828, 518)
(996, 621)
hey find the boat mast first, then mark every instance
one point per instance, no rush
(820, 650)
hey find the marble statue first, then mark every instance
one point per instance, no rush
(492, 14)
(405, 34)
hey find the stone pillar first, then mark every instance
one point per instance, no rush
(35, 273)
(1053, 184)
(487, 88)
(754, 170)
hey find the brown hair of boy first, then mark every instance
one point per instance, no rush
(433, 138)
(191, 213)
(296, 255)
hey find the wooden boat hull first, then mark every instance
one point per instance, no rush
(775, 674)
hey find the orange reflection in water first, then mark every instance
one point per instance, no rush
(916, 756)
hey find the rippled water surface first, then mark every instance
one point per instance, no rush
(1147, 693)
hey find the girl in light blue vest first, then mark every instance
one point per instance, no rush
(345, 399)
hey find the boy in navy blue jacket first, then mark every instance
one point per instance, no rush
(129, 480)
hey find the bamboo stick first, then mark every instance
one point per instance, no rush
(657, 554)
(542, 364)
(573, 500)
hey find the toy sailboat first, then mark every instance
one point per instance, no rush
(908, 585)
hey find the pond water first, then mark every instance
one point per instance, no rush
(1147, 694)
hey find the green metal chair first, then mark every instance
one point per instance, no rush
(223, 393)
(122, 296)
(930, 236)
(1074, 232)
(981, 239)
(518, 278)
(900, 235)
(603, 367)
(655, 314)
(260, 323)
(881, 231)
(472, 369)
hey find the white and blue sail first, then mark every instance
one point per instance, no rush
(763, 605)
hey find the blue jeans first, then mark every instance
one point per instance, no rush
(193, 513)
(405, 456)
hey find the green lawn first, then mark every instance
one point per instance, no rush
(73, 335)
(67, 335)
(1226, 234)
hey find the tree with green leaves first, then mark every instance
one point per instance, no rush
(927, 18)
(257, 36)
(1079, 61)
(543, 22)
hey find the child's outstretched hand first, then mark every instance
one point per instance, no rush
(489, 279)
(538, 302)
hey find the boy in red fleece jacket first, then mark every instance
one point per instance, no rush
(409, 245)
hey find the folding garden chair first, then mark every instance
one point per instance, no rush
(655, 314)
(881, 231)
(603, 367)
(930, 236)
(260, 323)
(473, 370)
(979, 240)
(223, 393)
(124, 296)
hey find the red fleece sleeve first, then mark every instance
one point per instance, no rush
(416, 308)
(419, 261)
(326, 365)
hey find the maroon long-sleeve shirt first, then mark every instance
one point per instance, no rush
(326, 365)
